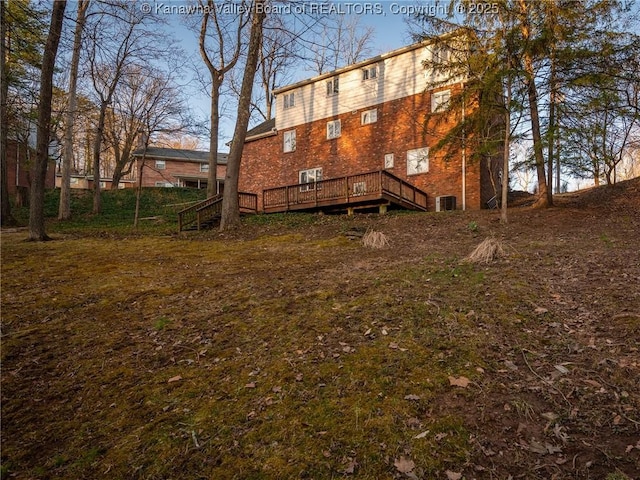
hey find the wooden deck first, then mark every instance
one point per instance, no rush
(350, 192)
(207, 212)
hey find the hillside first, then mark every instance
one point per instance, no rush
(288, 349)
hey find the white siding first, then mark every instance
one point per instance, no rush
(398, 76)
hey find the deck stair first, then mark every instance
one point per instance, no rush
(207, 213)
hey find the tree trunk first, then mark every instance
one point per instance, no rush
(230, 208)
(544, 196)
(64, 210)
(97, 145)
(36, 206)
(506, 152)
(6, 218)
(212, 177)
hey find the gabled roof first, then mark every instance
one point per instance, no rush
(179, 154)
(263, 129)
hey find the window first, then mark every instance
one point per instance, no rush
(289, 100)
(290, 141)
(164, 184)
(388, 160)
(359, 188)
(417, 161)
(370, 73)
(308, 179)
(441, 53)
(333, 129)
(440, 100)
(204, 167)
(370, 116)
(332, 87)
(160, 165)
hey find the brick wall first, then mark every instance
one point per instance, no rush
(19, 163)
(400, 127)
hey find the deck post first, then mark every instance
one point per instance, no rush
(350, 211)
(382, 209)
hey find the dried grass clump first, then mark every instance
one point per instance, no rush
(373, 239)
(489, 250)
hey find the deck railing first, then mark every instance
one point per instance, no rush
(348, 189)
(202, 212)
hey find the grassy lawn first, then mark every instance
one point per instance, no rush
(286, 350)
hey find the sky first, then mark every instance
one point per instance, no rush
(387, 18)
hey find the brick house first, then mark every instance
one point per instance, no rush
(173, 167)
(20, 158)
(368, 117)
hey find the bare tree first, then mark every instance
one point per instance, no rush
(36, 206)
(227, 48)
(162, 111)
(64, 211)
(342, 41)
(230, 207)
(116, 40)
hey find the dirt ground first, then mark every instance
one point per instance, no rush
(246, 354)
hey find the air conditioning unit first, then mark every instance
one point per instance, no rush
(445, 202)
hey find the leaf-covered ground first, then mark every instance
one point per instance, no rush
(287, 349)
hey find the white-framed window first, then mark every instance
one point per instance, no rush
(289, 139)
(204, 167)
(418, 161)
(160, 165)
(369, 116)
(309, 178)
(164, 184)
(289, 100)
(440, 100)
(388, 160)
(334, 129)
(332, 86)
(369, 73)
(441, 53)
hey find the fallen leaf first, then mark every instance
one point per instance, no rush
(453, 475)
(177, 378)
(412, 397)
(250, 385)
(404, 465)
(384, 331)
(299, 377)
(562, 369)
(540, 311)
(422, 435)
(459, 382)
(510, 365)
(351, 466)
(393, 346)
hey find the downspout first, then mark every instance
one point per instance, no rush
(464, 156)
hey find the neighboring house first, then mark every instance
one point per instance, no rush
(172, 167)
(86, 182)
(20, 158)
(370, 116)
